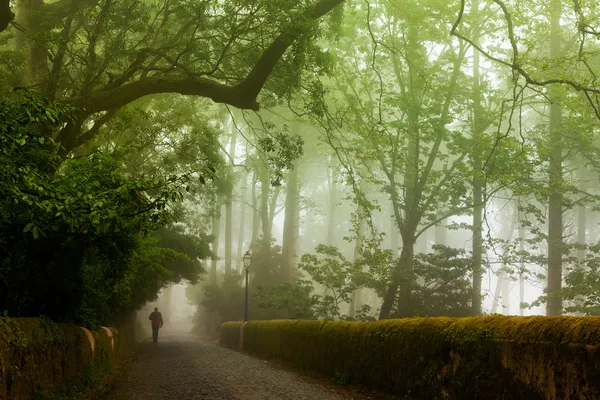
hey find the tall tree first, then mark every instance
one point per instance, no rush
(478, 173)
(290, 225)
(555, 174)
(102, 54)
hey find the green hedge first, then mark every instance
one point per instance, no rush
(465, 358)
(230, 334)
(43, 360)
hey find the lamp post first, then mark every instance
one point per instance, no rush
(247, 260)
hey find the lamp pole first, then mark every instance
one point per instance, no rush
(247, 260)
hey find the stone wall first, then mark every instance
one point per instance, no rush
(531, 358)
(43, 360)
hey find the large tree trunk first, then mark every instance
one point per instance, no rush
(290, 225)
(216, 232)
(478, 179)
(229, 208)
(555, 206)
(402, 280)
(241, 227)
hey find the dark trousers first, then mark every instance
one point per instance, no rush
(154, 333)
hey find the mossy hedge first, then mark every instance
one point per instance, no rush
(441, 358)
(43, 360)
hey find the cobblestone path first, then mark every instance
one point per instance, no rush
(182, 367)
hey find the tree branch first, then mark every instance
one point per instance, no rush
(514, 64)
(6, 14)
(243, 95)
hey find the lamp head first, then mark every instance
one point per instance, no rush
(247, 259)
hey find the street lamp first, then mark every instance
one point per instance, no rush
(247, 260)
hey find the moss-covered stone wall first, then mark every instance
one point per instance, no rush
(43, 360)
(441, 358)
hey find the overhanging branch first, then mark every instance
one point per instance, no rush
(243, 95)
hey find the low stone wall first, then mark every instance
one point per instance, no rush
(40, 359)
(529, 358)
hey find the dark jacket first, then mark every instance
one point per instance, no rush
(156, 319)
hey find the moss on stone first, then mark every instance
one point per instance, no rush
(494, 357)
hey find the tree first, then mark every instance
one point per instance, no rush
(106, 54)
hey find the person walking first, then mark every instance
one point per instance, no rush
(157, 323)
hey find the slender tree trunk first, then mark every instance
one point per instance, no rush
(292, 204)
(229, 208)
(505, 295)
(332, 205)
(273, 207)
(521, 261)
(394, 235)
(255, 212)
(497, 291)
(265, 189)
(581, 216)
(242, 227)
(478, 179)
(555, 206)
(355, 297)
(216, 231)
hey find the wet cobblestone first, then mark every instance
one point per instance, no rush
(182, 367)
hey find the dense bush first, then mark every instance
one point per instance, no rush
(465, 358)
(80, 239)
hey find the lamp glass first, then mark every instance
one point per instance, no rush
(247, 259)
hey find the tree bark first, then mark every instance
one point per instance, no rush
(242, 227)
(290, 236)
(478, 178)
(229, 207)
(6, 14)
(216, 231)
(356, 294)
(255, 212)
(402, 280)
(332, 177)
(581, 216)
(521, 260)
(394, 234)
(555, 207)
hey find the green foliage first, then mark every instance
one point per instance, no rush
(442, 280)
(292, 301)
(72, 230)
(331, 269)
